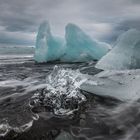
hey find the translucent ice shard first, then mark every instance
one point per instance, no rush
(48, 47)
(122, 85)
(125, 55)
(80, 47)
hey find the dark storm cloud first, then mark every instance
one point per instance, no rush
(130, 23)
(25, 15)
(135, 1)
(18, 38)
(15, 16)
(121, 27)
(102, 19)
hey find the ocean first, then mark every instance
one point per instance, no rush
(27, 113)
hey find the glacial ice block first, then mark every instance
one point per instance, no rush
(76, 47)
(48, 47)
(126, 53)
(80, 47)
(122, 85)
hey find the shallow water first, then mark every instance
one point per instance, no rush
(97, 119)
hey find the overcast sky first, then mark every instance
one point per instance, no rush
(101, 19)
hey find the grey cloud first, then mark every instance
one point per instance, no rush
(18, 38)
(121, 27)
(130, 23)
(135, 1)
(24, 16)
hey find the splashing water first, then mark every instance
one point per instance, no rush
(5, 128)
(61, 95)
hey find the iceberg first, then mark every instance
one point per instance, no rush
(125, 54)
(76, 47)
(80, 47)
(48, 47)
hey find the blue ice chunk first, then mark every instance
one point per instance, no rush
(80, 47)
(48, 47)
(77, 46)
